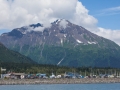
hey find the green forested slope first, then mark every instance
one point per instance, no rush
(84, 55)
(7, 55)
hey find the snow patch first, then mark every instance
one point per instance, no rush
(62, 59)
(61, 41)
(49, 33)
(44, 37)
(79, 41)
(92, 42)
(65, 35)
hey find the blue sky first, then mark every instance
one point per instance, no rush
(100, 10)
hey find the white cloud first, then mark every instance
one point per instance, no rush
(113, 35)
(29, 29)
(81, 17)
(39, 29)
(109, 11)
(63, 23)
(112, 9)
(17, 13)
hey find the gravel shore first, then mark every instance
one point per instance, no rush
(59, 81)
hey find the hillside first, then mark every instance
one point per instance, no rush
(64, 44)
(10, 56)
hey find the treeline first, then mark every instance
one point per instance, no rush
(48, 69)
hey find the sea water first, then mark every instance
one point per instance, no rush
(115, 86)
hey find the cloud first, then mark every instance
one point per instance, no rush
(113, 35)
(39, 29)
(63, 23)
(109, 11)
(17, 13)
(81, 17)
(112, 9)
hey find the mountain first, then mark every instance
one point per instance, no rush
(62, 43)
(9, 56)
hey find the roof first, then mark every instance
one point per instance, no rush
(18, 73)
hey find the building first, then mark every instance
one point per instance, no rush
(17, 75)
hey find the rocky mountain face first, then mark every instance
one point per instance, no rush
(62, 43)
(9, 56)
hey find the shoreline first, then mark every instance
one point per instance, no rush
(59, 81)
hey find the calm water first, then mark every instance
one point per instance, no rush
(115, 86)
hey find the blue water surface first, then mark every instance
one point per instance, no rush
(115, 86)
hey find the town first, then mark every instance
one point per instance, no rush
(69, 75)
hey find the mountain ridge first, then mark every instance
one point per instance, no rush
(62, 43)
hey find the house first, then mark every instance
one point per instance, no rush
(111, 76)
(72, 75)
(5, 76)
(52, 76)
(59, 76)
(31, 76)
(17, 75)
(39, 75)
(2, 70)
